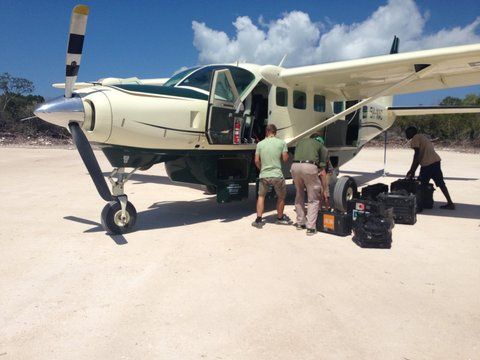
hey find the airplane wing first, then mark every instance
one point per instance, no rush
(110, 81)
(159, 81)
(77, 85)
(432, 110)
(361, 78)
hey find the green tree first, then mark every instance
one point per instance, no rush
(452, 128)
(12, 86)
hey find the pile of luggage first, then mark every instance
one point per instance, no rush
(372, 214)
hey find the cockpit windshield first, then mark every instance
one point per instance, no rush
(179, 76)
(201, 78)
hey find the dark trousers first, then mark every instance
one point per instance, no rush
(432, 171)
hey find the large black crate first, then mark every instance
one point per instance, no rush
(427, 196)
(409, 185)
(404, 207)
(232, 190)
(372, 231)
(334, 222)
(424, 193)
(361, 206)
(372, 191)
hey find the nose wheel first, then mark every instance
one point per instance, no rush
(119, 216)
(117, 221)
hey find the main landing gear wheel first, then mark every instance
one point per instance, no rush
(345, 190)
(113, 221)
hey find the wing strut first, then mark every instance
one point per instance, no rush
(385, 153)
(416, 75)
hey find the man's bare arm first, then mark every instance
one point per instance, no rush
(415, 163)
(285, 156)
(323, 179)
(258, 163)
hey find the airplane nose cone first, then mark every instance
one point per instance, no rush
(61, 111)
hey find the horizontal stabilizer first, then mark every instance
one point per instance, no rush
(433, 110)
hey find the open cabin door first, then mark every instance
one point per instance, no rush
(344, 133)
(224, 119)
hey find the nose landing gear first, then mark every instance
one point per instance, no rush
(118, 220)
(119, 216)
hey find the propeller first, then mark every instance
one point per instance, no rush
(68, 110)
(78, 26)
(90, 161)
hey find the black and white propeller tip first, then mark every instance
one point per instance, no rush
(78, 26)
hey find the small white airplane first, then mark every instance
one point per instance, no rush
(204, 122)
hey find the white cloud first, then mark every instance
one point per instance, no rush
(307, 42)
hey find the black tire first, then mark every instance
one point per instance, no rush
(211, 190)
(111, 218)
(345, 189)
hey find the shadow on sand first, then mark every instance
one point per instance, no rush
(118, 239)
(464, 211)
(158, 179)
(170, 214)
(362, 177)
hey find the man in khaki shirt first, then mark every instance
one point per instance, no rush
(309, 163)
(429, 162)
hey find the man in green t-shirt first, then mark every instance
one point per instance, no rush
(268, 156)
(308, 172)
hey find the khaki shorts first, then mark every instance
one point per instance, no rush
(277, 183)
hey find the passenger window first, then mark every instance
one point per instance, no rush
(299, 100)
(282, 96)
(319, 103)
(338, 107)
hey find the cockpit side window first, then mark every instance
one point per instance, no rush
(202, 78)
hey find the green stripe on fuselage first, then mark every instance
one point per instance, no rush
(163, 90)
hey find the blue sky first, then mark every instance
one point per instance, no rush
(151, 39)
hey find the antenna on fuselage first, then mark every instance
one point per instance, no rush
(283, 60)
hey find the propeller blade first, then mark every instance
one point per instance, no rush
(90, 161)
(78, 25)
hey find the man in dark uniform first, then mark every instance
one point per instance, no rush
(308, 171)
(429, 162)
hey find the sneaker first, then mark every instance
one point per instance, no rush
(300, 226)
(284, 220)
(311, 232)
(257, 224)
(450, 206)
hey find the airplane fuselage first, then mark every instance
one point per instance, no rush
(139, 125)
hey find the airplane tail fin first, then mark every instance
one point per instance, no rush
(395, 44)
(387, 101)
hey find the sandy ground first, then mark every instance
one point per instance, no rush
(196, 281)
